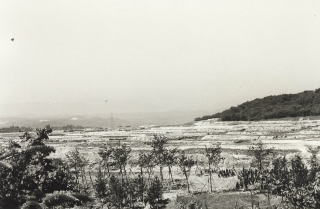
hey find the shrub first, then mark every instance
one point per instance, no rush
(31, 205)
(65, 200)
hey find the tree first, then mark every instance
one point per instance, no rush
(105, 154)
(158, 150)
(213, 155)
(100, 185)
(27, 173)
(63, 179)
(139, 188)
(185, 163)
(299, 172)
(316, 190)
(314, 162)
(154, 195)
(77, 164)
(298, 192)
(117, 193)
(121, 155)
(141, 162)
(260, 153)
(146, 160)
(279, 175)
(170, 160)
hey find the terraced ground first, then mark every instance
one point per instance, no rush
(234, 136)
(286, 136)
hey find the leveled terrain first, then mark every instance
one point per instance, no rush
(286, 136)
(235, 137)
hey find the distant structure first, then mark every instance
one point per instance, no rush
(111, 116)
(111, 121)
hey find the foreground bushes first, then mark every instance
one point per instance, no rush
(296, 184)
(29, 178)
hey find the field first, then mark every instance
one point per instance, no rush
(287, 137)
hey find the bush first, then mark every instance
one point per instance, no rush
(60, 199)
(26, 172)
(31, 205)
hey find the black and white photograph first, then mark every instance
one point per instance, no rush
(159, 104)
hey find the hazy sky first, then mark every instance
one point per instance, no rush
(68, 56)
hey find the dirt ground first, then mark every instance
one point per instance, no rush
(285, 136)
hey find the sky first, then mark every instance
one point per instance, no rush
(69, 56)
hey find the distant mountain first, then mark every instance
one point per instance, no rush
(85, 121)
(302, 104)
(161, 118)
(104, 121)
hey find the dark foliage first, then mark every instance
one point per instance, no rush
(28, 174)
(302, 104)
(12, 129)
(60, 199)
(31, 205)
(154, 195)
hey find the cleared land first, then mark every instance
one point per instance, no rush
(286, 136)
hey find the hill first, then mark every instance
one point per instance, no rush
(114, 121)
(302, 104)
(84, 121)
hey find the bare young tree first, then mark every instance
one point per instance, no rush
(186, 163)
(260, 152)
(261, 161)
(170, 160)
(213, 154)
(314, 162)
(158, 149)
(146, 160)
(106, 155)
(141, 162)
(77, 164)
(121, 155)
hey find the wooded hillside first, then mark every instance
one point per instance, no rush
(302, 104)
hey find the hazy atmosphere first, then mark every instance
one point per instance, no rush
(98, 57)
(167, 104)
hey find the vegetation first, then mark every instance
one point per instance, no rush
(213, 155)
(31, 178)
(14, 129)
(292, 181)
(186, 163)
(154, 195)
(260, 154)
(27, 174)
(302, 104)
